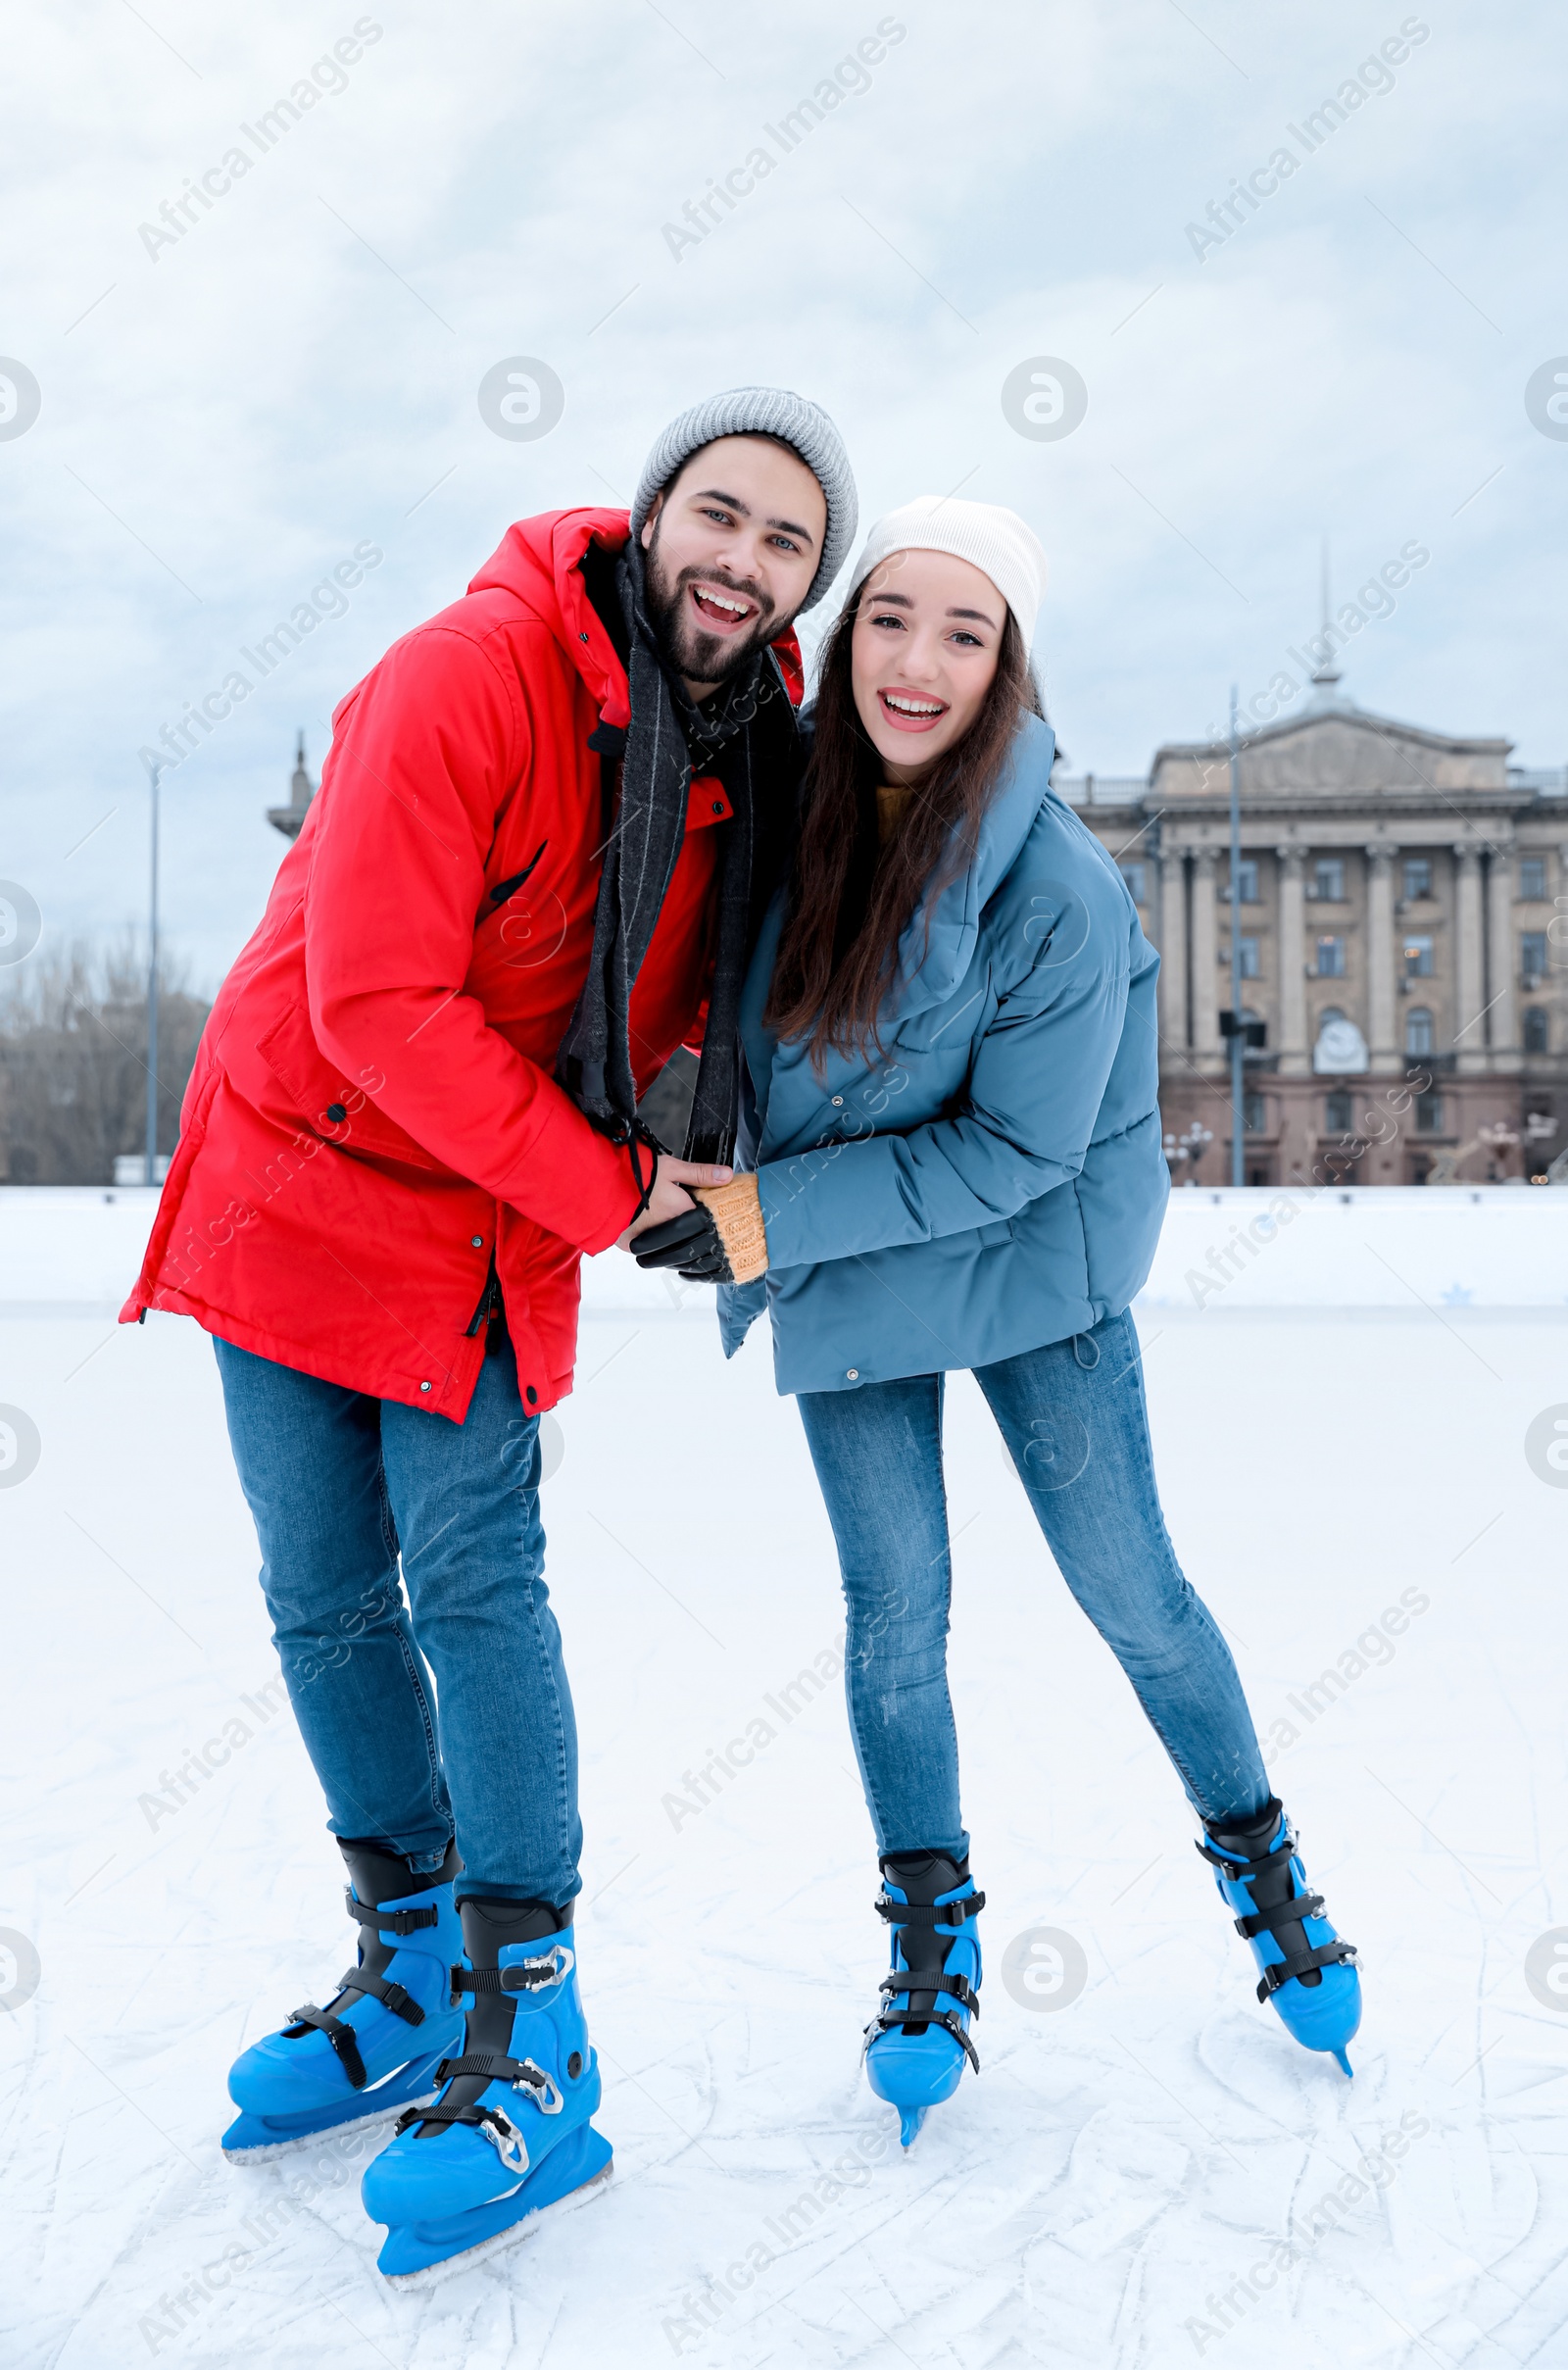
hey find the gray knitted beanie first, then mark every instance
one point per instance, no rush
(764, 411)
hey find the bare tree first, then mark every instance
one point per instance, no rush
(74, 1062)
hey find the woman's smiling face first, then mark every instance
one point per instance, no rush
(923, 653)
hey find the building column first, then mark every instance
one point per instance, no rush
(1293, 1048)
(1173, 949)
(1469, 1029)
(1502, 1026)
(1206, 995)
(1385, 1049)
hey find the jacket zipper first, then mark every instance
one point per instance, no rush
(509, 888)
(489, 1302)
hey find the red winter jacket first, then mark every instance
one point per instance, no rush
(372, 1112)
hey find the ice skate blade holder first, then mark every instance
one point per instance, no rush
(417, 2254)
(255, 2138)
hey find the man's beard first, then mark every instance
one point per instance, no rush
(702, 657)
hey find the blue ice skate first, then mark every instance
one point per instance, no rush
(916, 2046)
(377, 2044)
(509, 2132)
(1307, 1972)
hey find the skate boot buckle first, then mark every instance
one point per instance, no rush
(541, 2087)
(505, 2139)
(539, 1974)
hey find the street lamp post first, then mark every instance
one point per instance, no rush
(153, 770)
(1238, 1035)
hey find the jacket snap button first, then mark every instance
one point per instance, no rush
(582, 637)
(718, 806)
(838, 1103)
(478, 1241)
(424, 1386)
(336, 1111)
(850, 1375)
(532, 1396)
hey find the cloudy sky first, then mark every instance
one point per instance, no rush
(224, 414)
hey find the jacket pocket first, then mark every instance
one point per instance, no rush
(321, 1101)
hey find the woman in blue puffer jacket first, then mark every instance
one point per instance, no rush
(956, 1162)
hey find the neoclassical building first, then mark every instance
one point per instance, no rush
(1403, 924)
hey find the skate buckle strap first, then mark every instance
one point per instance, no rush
(1282, 1913)
(392, 1996)
(395, 1922)
(1331, 1954)
(962, 1991)
(310, 2018)
(529, 1975)
(1284, 1849)
(521, 2072)
(917, 1914)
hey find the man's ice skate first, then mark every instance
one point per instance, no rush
(509, 2134)
(374, 2047)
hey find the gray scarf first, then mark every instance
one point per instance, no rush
(747, 735)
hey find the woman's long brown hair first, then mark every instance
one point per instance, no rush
(850, 899)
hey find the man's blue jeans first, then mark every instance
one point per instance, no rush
(338, 1483)
(1076, 1427)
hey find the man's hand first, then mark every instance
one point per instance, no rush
(669, 1197)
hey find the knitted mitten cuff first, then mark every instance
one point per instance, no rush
(737, 1211)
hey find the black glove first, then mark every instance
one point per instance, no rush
(691, 1244)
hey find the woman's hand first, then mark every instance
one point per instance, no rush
(669, 1196)
(721, 1241)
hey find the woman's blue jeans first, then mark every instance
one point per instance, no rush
(339, 1484)
(1077, 1429)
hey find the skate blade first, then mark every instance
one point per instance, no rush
(405, 2246)
(291, 2143)
(911, 2119)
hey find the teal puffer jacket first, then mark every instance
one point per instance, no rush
(994, 1180)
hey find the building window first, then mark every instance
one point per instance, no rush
(1532, 876)
(1331, 958)
(1533, 955)
(1417, 952)
(1328, 881)
(1537, 1030)
(1418, 1030)
(1255, 1118)
(1338, 1110)
(1249, 952)
(1246, 881)
(1429, 1114)
(1135, 876)
(1417, 877)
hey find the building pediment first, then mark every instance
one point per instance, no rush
(1331, 753)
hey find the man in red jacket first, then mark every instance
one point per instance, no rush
(549, 825)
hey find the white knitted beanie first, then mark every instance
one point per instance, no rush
(992, 539)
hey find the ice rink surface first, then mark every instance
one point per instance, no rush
(1148, 2171)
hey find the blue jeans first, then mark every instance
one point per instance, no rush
(338, 1483)
(1076, 1428)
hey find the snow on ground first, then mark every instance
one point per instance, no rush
(1148, 2172)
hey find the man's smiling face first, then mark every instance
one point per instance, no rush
(733, 544)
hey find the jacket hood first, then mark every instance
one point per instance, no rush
(540, 561)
